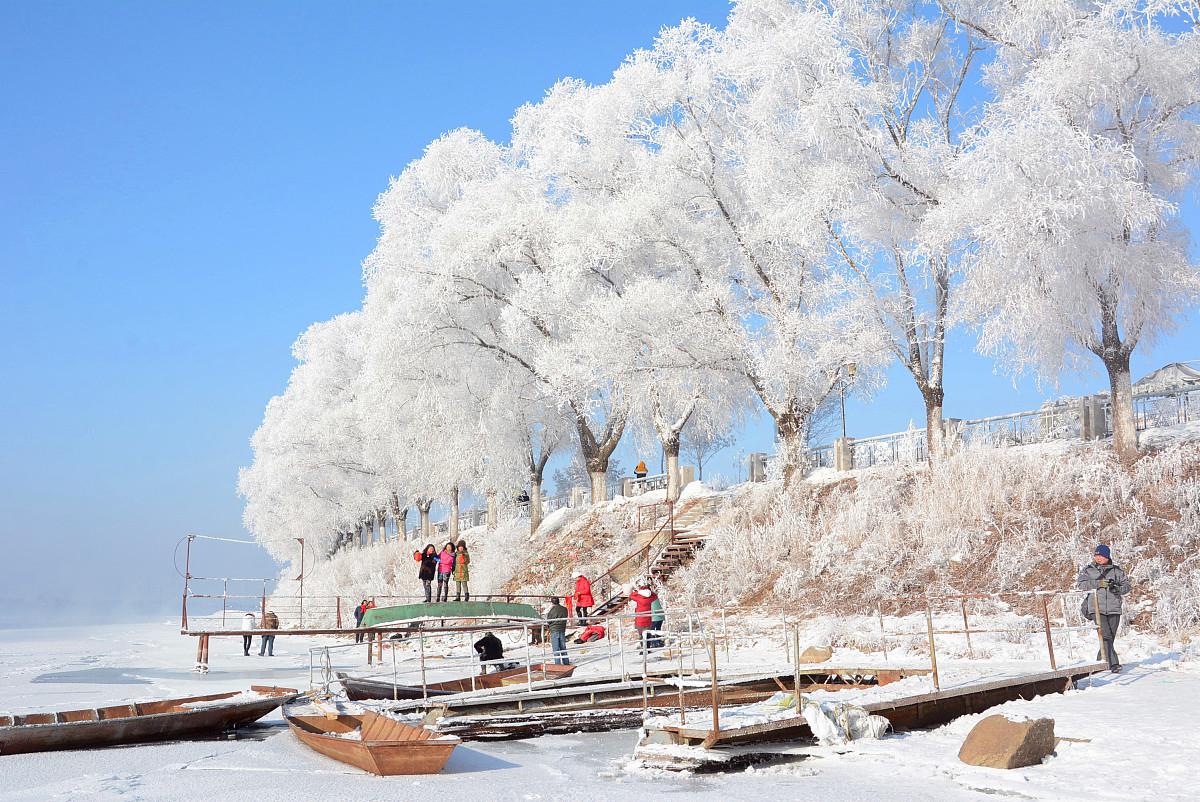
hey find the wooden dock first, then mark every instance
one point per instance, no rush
(906, 713)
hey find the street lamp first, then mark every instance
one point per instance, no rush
(851, 369)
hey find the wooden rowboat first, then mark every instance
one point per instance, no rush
(371, 742)
(162, 720)
(361, 688)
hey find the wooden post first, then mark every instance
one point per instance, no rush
(682, 709)
(528, 667)
(370, 648)
(882, 635)
(724, 633)
(421, 646)
(796, 667)
(932, 649)
(224, 599)
(339, 611)
(621, 648)
(395, 691)
(967, 629)
(716, 693)
(1099, 629)
(645, 697)
(1049, 639)
(263, 610)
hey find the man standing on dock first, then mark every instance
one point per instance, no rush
(1109, 584)
(556, 619)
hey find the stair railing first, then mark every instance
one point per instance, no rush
(661, 517)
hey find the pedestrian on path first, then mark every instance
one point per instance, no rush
(556, 619)
(247, 626)
(428, 558)
(267, 642)
(359, 612)
(445, 568)
(642, 600)
(583, 597)
(1109, 584)
(462, 572)
(657, 617)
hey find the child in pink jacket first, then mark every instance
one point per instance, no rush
(445, 568)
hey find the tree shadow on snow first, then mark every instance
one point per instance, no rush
(464, 760)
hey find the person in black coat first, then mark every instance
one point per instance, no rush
(428, 559)
(489, 648)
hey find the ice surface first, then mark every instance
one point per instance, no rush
(1141, 741)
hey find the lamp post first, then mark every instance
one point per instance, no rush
(851, 369)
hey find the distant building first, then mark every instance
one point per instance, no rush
(1176, 374)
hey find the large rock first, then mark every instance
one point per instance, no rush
(999, 743)
(816, 654)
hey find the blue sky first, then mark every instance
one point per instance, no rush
(184, 187)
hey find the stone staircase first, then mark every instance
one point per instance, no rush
(664, 546)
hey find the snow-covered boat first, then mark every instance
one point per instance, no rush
(371, 742)
(362, 688)
(136, 722)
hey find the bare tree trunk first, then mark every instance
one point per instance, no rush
(399, 515)
(1115, 353)
(935, 445)
(792, 428)
(1125, 436)
(596, 452)
(452, 523)
(674, 480)
(423, 506)
(535, 503)
(599, 484)
(358, 535)
(381, 517)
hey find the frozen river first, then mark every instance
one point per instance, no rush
(1136, 731)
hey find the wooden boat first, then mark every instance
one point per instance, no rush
(362, 688)
(162, 720)
(371, 742)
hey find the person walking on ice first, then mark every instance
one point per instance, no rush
(247, 626)
(556, 618)
(266, 644)
(1109, 584)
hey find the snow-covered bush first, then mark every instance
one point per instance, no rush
(988, 520)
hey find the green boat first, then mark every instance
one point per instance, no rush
(473, 609)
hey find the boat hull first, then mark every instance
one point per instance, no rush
(361, 689)
(390, 757)
(140, 727)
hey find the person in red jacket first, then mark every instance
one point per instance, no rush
(583, 597)
(642, 599)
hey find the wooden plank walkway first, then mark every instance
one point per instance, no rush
(909, 712)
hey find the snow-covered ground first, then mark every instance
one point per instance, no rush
(1136, 731)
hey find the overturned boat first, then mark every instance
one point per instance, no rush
(211, 715)
(369, 741)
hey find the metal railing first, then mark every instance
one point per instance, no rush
(1057, 420)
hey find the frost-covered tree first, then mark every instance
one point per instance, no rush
(761, 270)
(1068, 192)
(308, 478)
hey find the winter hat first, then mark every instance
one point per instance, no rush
(645, 592)
(1103, 551)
